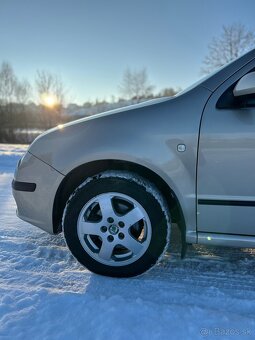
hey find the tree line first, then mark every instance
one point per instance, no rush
(19, 115)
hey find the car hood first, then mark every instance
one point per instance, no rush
(111, 112)
(47, 141)
(123, 134)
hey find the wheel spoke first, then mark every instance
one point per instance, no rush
(106, 208)
(100, 229)
(133, 216)
(106, 250)
(90, 228)
(132, 244)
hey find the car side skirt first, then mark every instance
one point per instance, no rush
(229, 240)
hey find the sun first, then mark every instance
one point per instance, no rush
(49, 100)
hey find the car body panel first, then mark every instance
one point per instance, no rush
(148, 134)
(226, 166)
(36, 207)
(226, 240)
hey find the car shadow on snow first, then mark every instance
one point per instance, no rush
(203, 266)
(204, 269)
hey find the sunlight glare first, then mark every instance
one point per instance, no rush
(49, 100)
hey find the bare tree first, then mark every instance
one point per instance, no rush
(50, 84)
(11, 89)
(8, 82)
(135, 85)
(14, 94)
(51, 92)
(234, 41)
(23, 92)
(44, 82)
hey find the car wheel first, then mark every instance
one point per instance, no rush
(117, 224)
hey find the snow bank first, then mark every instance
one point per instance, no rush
(9, 156)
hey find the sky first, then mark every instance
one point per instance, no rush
(90, 43)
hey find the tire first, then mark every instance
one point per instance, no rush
(116, 224)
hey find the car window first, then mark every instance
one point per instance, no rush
(228, 101)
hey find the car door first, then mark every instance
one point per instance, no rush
(226, 162)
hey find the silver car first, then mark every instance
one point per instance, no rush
(114, 182)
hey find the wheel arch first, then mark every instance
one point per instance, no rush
(76, 176)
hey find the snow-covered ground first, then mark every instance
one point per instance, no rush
(46, 294)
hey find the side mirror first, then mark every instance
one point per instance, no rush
(245, 85)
